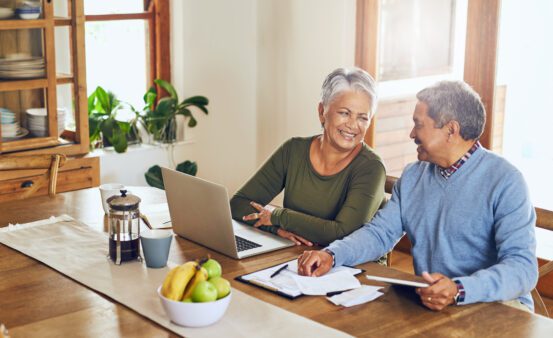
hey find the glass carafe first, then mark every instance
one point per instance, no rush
(124, 227)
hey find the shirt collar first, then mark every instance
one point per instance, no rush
(447, 172)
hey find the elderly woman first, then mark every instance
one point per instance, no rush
(333, 182)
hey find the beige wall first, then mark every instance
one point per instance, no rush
(261, 64)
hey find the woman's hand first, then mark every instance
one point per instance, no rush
(263, 216)
(298, 240)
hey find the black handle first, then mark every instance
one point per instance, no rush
(27, 184)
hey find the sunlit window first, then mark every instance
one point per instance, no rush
(117, 50)
(522, 114)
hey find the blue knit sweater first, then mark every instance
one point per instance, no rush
(477, 227)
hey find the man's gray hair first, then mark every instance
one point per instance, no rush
(455, 101)
(349, 79)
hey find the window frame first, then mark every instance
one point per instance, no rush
(156, 13)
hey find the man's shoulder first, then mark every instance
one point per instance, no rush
(500, 165)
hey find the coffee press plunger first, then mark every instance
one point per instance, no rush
(124, 227)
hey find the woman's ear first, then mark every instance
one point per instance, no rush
(321, 109)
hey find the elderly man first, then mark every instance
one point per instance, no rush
(465, 210)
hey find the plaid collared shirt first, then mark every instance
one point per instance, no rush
(447, 172)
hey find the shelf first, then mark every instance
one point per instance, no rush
(64, 78)
(13, 85)
(22, 24)
(62, 21)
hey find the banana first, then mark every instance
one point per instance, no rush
(200, 276)
(177, 279)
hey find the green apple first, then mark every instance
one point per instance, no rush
(204, 292)
(213, 268)
(187, 300)
(222, 285)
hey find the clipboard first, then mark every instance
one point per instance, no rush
(283, 284)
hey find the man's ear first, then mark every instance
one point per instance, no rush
(453, 127)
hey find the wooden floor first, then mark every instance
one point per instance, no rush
(403, 262)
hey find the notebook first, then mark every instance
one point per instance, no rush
(287, 283)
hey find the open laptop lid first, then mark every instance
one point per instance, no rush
(200, 211)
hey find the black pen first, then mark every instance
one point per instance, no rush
(279, 270)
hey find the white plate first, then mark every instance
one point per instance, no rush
(22, 133)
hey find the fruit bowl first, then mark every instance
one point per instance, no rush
(194, 314)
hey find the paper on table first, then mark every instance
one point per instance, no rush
(363, 294)
(158, 215)
(284, 281)
(339, 281)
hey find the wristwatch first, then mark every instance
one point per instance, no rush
(332, 254)
(460, 295)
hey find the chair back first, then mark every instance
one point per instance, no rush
(544, 220)
(51, 162)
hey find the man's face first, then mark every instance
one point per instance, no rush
(431, 141)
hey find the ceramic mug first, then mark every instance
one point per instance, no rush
(107, 190)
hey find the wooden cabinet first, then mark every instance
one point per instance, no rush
(58, 92)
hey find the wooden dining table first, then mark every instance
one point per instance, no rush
(36, 300)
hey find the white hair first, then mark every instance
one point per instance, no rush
(343, 79)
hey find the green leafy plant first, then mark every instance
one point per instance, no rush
(160, 119)
(155, 179)
(103, 125)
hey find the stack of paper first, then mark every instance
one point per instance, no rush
(361, 295)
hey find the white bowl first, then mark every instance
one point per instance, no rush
(194, 314)
(6, 12)
(29, 16)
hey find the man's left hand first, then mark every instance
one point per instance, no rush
(440, 293)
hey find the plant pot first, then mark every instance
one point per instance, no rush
(168, 134)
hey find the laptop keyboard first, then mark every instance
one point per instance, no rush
(243, 244)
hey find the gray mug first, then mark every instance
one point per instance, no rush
(155, 247)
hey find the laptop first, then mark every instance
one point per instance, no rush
(200, 212)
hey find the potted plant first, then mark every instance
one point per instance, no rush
(160, 119)
(103, 124)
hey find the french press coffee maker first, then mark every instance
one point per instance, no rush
(124, 227)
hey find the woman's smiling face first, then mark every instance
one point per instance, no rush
(346, 119)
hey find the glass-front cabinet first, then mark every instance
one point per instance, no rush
(43, 104)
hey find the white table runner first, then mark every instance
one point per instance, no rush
(80, 253)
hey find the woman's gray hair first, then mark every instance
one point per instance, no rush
(455, 101)
(347, 79)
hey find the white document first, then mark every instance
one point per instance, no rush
(320, 286)
(284, 282)
(363, 294)
(157, 214)
(397, 281)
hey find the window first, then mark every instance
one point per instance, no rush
(419, 42)
(124, 44)
(522, 117)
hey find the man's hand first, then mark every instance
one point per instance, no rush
(440, 293)
(263, 216)
(298, 240)
(314, 263)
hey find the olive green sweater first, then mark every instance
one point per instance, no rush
(318, 208)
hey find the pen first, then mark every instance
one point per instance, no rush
(279, 270)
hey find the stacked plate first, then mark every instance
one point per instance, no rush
(37, 121)
(22, 67)
(10, 127)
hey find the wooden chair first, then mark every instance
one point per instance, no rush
(545, 221)
(52, 162)
(388, 186)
